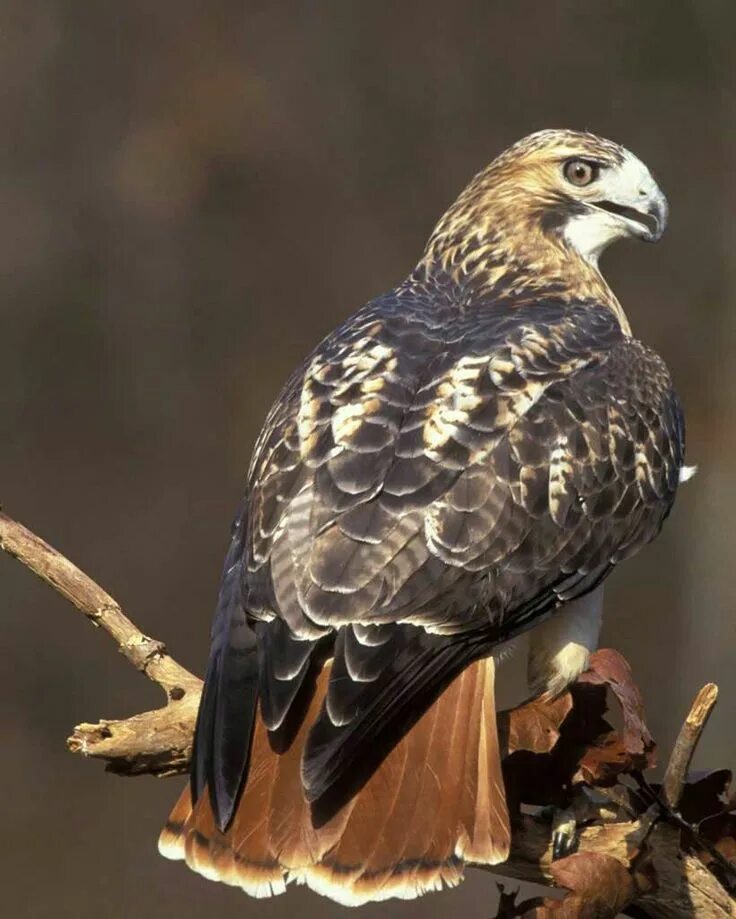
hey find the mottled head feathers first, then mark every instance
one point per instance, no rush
(541, 213)
(558, 144)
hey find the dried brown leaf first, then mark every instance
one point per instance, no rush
(537, 766)
(599, 888)
(536, 726)
(719, 826)
(706, 795)
(609, 668)
(551, 745)
(604, 761)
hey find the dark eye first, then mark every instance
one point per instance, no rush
(581, 172)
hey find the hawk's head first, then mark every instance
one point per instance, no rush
(553, 200)
(589, 189)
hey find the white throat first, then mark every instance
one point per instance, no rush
(629, 185)
(590, 234)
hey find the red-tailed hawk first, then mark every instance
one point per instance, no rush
(465, 458)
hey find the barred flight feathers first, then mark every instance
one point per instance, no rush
(229, 699)
(462, 457)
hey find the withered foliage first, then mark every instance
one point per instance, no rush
(566, 753)
(709, 805)
(553, 745)
(599, 885)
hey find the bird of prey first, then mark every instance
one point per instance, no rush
(467, 457)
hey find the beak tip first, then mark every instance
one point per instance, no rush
(659, 212)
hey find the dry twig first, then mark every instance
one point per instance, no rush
(158, 741)
(687, 740)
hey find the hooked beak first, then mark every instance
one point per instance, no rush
(647, 219)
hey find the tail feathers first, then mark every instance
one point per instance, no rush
(435, 804)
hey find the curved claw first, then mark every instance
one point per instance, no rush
(564, 834)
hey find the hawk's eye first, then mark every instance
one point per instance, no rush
(581, 172)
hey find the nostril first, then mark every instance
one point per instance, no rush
(642, 192)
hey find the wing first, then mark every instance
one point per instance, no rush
(453, 476)
(226, 714)
(413, 459)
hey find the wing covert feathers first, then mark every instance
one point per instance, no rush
(435, 804)
(428, 457)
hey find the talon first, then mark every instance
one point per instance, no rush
(564, 835)
(562, 845)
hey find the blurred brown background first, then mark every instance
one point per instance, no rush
(192, 195)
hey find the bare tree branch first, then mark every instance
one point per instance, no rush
(687, 740)
(158, 741)
(662, 880)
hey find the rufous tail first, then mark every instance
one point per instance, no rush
(435, 804)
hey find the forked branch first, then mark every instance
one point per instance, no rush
(158, 741)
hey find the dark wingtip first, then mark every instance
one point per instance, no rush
(314, 781)
(222, 802)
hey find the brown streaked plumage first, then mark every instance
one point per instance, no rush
(464, 458)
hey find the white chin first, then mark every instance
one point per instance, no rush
(590, 234)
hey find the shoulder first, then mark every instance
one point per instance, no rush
(634, 374)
